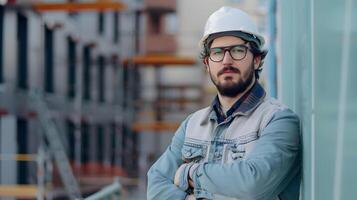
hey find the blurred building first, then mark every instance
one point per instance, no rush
(73, 59)
(115, 83)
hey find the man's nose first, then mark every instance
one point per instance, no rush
(227, 59)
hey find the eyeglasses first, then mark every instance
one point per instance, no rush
(237, 52)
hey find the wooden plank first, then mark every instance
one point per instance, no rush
(160, 59)
(78, 6)
(19, 191)
(19, 157)
(155, 126)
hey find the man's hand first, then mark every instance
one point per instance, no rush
(190, 183)
(181, 170)
(178, 173)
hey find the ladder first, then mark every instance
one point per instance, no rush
(51, 133)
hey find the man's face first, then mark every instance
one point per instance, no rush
(231, 77)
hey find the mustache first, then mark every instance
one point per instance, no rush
(230, 68)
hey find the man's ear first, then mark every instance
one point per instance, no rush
(257, 60)
(205, 62)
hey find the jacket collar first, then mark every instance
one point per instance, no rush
(245, 105)
(253, 100)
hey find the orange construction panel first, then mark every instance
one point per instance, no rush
(160, 60)
(18, 191)
(79, 6)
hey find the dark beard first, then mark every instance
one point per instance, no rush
(234, 89)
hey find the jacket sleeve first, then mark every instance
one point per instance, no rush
(161, 174)
(264, 172)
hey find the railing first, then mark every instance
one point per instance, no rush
(109, 192)
(30, 191)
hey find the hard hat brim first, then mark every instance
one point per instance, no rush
(240, 34)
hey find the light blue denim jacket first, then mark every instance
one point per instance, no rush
(254, 154)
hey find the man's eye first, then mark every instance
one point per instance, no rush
(237, 50)
(216, 52)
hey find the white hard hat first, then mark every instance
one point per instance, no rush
(228, 19)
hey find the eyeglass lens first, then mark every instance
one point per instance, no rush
(237, 52)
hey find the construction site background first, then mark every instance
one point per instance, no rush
(92, 91)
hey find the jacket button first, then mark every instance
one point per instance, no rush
(188, 153)
(234, 156)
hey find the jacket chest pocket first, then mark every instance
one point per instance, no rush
(233, 152)
(238, 149)
(193, 153)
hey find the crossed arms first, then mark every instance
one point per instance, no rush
(262, 174)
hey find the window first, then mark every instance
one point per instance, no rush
(155, 23)
(134, 152)
(85, 142)
(49, 78)
(71, 67)
(71, 127)
(124, 145)
(171, 23)
(116, 27)
(117, 83)
(22, 51)
(101, 78)
(114, 155)
(101, 23)
(137, 30)
(86, 72)
(100, 144)
(318, 81)
(22, 148)
(72, 14)
(1, 42)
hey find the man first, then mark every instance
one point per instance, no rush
(245, 145)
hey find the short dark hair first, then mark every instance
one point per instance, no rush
(254, 49)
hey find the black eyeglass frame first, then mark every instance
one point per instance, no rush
(229, 48)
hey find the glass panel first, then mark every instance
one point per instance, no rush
(335, 112)
(328, 110)
(295, 83)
